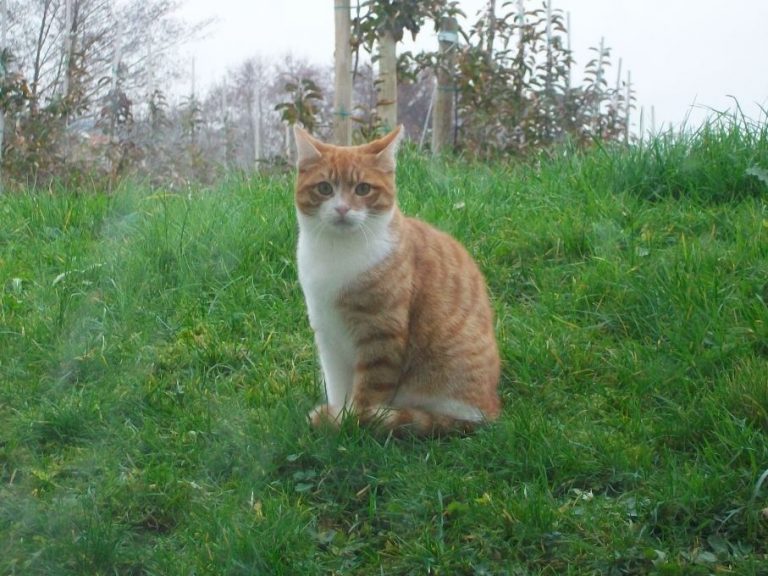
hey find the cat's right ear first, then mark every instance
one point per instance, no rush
(306, 146)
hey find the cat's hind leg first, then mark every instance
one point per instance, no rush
(419, 422)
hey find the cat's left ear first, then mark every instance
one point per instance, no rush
(307, 148)
(387, 149)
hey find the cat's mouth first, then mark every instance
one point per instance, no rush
(342, 222)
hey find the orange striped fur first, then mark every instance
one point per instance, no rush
(400, 311)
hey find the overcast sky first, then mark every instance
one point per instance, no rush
(685, 57)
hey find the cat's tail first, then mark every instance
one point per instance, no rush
(420, 422)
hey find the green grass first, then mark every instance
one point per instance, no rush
(156, 366)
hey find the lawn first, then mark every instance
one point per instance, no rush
(156, 366)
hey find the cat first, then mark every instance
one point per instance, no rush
(400, 311)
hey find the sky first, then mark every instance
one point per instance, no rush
(686, 58)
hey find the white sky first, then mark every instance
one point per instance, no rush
(684, 57)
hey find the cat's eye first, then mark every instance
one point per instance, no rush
(324, 188)
(362, 189)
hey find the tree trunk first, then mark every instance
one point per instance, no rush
(491, 32)
(598, 95)
(3, 46)
(387, 104)
(67, 46)
(442, 113)
(629, 109)
(115, 84)
(257, 130)
(42, 33)
(342, 101)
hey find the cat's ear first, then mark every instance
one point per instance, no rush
(385, 149)
(307, 149)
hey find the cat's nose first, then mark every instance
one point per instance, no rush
(342, 209)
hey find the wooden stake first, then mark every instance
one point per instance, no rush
(67, 45)
(150, 70)
(442, 113)
(548, 88)
(599, 85)
(3, 72)
(387, 85)
(570, 52)
(491, 31)
(258, 143)
(4, 16)
(192, 82)
(427, 117)
(629, 107)
(116, 57)
(342, 100)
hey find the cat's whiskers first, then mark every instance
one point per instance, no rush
(319, 226)
(364, 229)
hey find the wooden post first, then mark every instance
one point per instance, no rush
(67, 45)
(3, 72)
(258, 139)
(570, 52)
(150, 70)
(598, 86)
(629, 107)
(192, 82)
(342, 99)
(192, 105)
(491, 32)
(288, 142)
(387, 84)
(600, 64)
(550, 65)
(442, 112)
(616, 96)
(117, 52)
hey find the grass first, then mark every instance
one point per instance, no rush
(156, 366)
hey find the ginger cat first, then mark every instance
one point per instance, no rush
(400, 311)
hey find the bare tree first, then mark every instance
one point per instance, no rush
(85, 63)
(252, 84)
(66, 47)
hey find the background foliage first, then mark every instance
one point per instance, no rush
(100, 101)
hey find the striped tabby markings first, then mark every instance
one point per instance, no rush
(400, 310)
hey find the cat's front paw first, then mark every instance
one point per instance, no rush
(324, 416)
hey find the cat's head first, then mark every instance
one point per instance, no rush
(342, 189)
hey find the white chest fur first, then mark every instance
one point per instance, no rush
(328, 261)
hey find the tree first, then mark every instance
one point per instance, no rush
(302, 107)
(515, 92)
(383, 23)
(66, 49)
